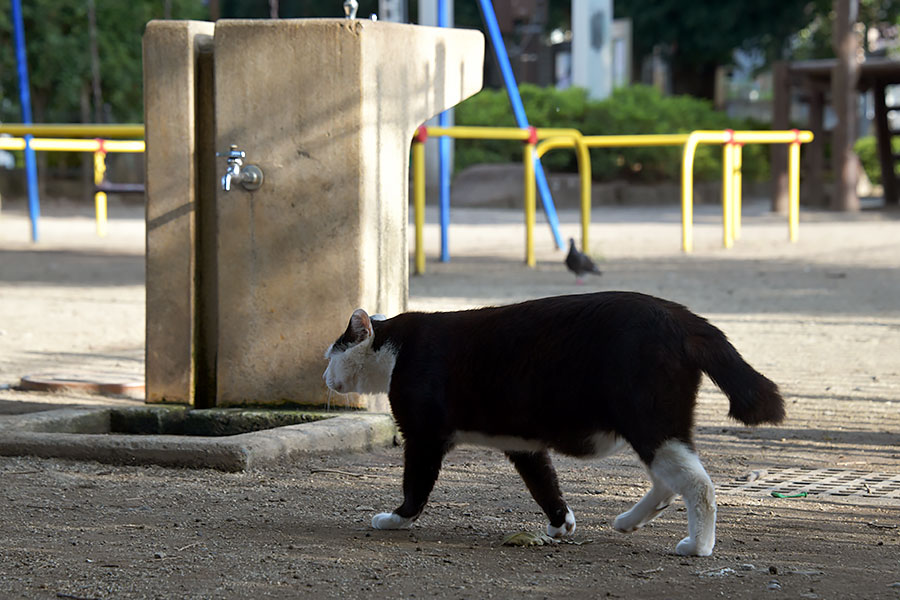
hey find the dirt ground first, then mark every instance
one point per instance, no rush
(820, 317)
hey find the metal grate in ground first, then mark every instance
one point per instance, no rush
(833, 484)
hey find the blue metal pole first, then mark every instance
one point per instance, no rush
(34, 206)
(512, 90)
(444, 159)
(444, 182)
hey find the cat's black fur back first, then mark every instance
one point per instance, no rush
(561, 369)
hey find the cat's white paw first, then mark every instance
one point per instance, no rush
(390, 521)
(564, 530)
(626, 523)
(689, 547)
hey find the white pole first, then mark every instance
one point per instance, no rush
(592, 46)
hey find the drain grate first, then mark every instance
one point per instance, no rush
(856, 486)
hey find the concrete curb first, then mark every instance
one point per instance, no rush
(51, 435)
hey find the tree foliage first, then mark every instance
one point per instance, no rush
(700, 35)
(815, 40)
(57, 40)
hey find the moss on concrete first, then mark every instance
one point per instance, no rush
(178, 420)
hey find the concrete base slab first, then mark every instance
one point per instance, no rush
(82, 434)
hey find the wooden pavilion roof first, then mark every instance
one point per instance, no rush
(872, 71)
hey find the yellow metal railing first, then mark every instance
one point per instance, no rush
(418, 159)
(528, 156)
(60, 145)
(529, 136)
(731, 179)
(551, 138)
(637, 140)
(78, 130)
(99, 147)
(584, 162)
(732, 142)
(567, 138)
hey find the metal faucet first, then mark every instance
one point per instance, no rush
(251, 176)
(235, 159)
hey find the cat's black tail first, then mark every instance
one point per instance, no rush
(753, 397)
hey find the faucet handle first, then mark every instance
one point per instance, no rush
(233, 153)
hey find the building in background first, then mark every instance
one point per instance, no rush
(393, 10)
(592, 47)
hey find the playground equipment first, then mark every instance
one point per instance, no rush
(731, 140)
(551, 139)
(100, 147)
(242, 284)
(76, 130)
(529, 136)
(25, 101)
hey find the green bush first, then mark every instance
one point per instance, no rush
(546, 107)
(637, 109)
(867, 150)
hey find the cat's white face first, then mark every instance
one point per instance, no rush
(353, 366)
(345, 366)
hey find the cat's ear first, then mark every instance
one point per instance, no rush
(360, 327)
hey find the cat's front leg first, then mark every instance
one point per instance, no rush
(421, 465)
(539, 476)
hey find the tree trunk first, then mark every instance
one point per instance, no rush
(845, 97)
(781, 119)
(695, 79)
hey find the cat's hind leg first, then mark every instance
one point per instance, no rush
(421, 465)
(539, 476)
(677, 466)
(654, 502)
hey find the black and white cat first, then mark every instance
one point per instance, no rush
(582, 375)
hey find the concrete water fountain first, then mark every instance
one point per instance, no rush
(248, 284)
(277, 201)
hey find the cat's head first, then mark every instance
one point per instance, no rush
(353, 364)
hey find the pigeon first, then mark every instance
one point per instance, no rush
(580, 263)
